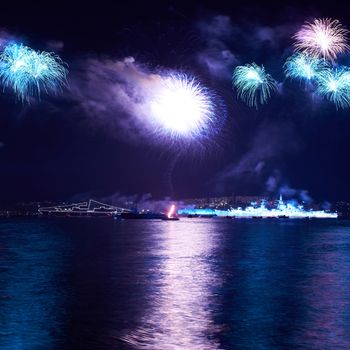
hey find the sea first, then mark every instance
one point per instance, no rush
(200, 283)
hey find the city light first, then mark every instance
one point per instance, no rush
(286, 210)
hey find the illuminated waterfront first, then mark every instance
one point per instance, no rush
(188, 284)
(290, 210)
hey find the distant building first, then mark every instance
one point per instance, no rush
(226, 202)
(211, 202)
(242, 201)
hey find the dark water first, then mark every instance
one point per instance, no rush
(193, 284)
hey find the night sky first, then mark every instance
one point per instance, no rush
(83, 143)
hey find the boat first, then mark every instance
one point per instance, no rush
(142, 216)
(171, 216)
(174, 218)
(90, 209)
(283, 216)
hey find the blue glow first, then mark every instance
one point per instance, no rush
(303, 67)
(253, 84)
(282, 209)
(334, 85)
(28, 72)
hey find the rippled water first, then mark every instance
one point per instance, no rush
(192, 284)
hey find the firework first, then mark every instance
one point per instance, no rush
(303, 67)
(181, 107)
(171, 211)
(28, 72)
(334, 84)
(322, 38)
(253, 84)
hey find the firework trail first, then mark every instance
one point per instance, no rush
(253, 84)
(169, 172)
(334, 85)
(322, 38)
(303, 67)
(28, 72)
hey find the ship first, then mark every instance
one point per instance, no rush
(90, 209)
(95, 209)
(142, 216)
(174, 218)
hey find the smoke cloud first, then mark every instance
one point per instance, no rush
(276, 185)
(141, 202)
(55, 45)
(6, 37)
(272, 140)
(217, 58)
(115, 94)
(228, 44)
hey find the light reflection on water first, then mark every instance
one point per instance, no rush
(181, 312)
(194, 284)
(328, 293)
(33, 299)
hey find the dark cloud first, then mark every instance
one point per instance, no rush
(6, 37)
(55, 45)
(216, 27)
(114, 94)
(218, 61)
(272, 140)
(216, 57)
(275, 36)
(228, 44)
(276, 185)
(144, 201)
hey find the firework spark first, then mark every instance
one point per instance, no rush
(171, 211)
(334, 85)
(28, 72)
(322, 38)
(253, 84)
(303, 67)
(181, 107)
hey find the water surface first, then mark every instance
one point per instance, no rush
(192, 284)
